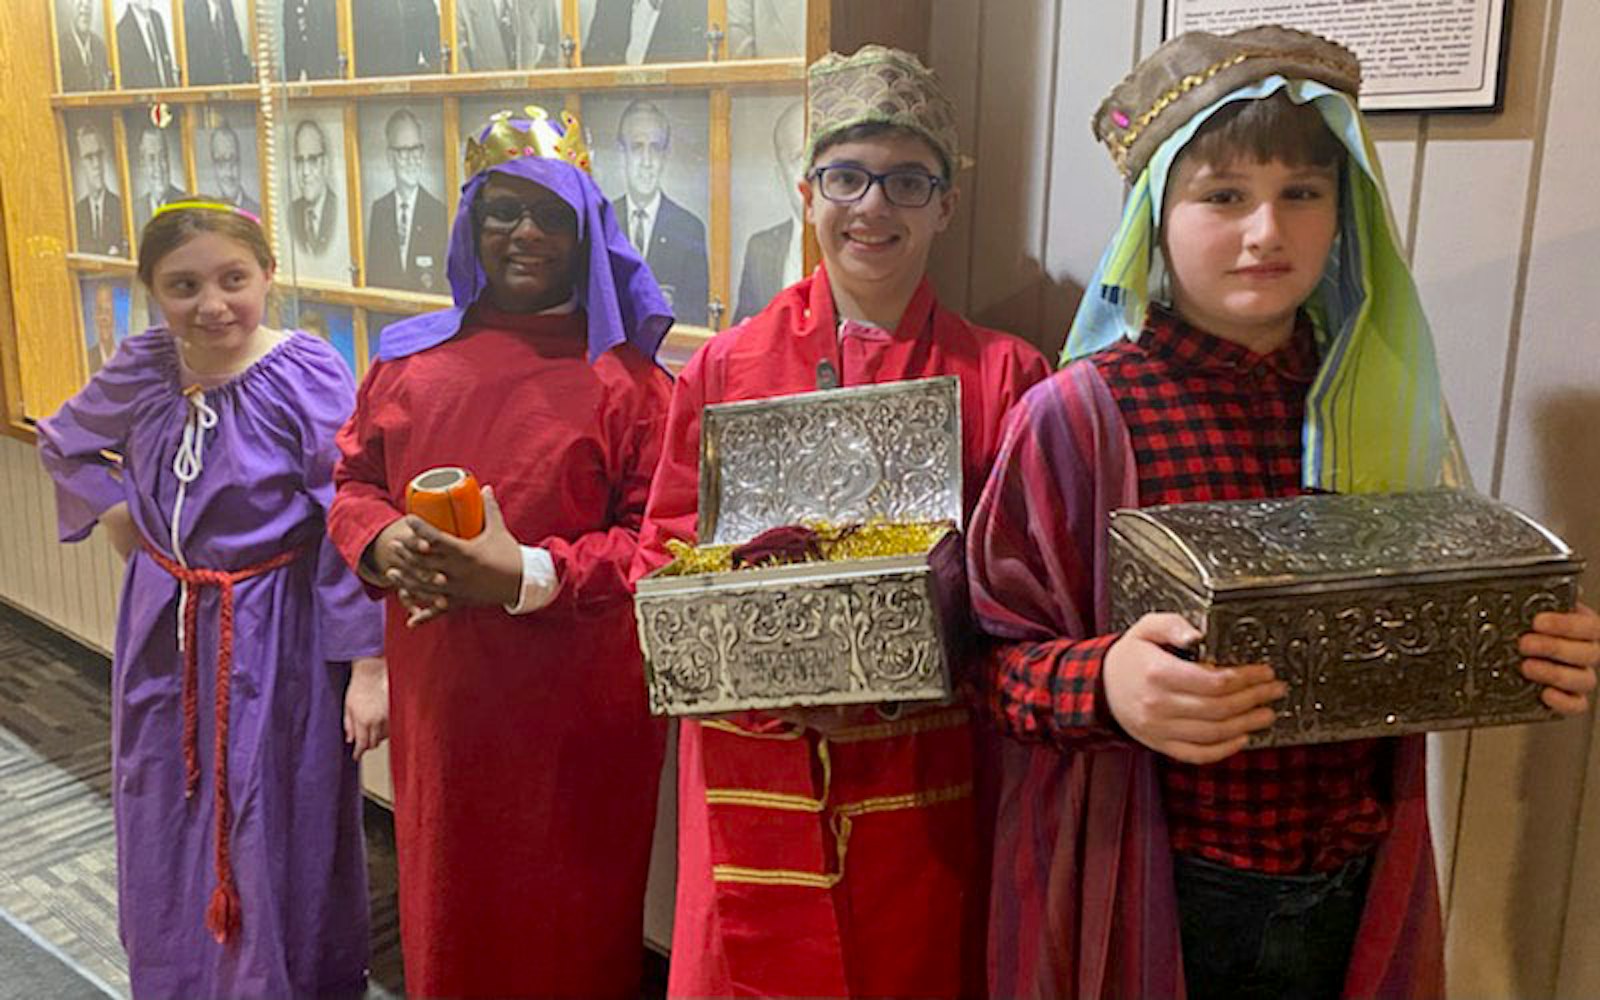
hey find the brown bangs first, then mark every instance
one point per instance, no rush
(1272, 129)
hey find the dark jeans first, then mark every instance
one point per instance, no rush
(1247, 935)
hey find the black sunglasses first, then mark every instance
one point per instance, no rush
(503, 215)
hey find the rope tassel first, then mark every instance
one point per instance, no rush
(224, 913)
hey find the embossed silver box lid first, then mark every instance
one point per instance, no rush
(1330, 542)
(890, 451)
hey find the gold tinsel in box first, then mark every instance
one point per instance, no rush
(874, 613)
(1384, 613)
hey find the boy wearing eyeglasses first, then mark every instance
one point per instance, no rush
(525, 761)
(863, 875)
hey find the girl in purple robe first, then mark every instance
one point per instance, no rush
(246, 677)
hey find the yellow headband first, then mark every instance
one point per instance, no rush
(212, 206)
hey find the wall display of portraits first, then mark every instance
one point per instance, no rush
(767, 233)
(357, 169)
(313, 224)
(405, 217)
(227, 165)
(156, 164)
(650, 158)
(107, 308)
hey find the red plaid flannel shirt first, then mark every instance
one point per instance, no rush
(1209, 420)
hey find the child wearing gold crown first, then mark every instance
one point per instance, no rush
(1253, 331)
(525, 761)
(822, 855)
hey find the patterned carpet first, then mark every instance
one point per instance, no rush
(57, 857)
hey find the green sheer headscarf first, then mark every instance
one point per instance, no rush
(1376, 418)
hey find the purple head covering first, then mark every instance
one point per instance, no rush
(614, 287)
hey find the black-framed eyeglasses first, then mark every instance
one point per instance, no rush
(845, 184)
(503, 215)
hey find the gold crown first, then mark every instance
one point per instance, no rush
(508, 137)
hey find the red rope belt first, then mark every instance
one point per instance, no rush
(223, 915)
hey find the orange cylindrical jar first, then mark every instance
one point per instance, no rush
(447, 498)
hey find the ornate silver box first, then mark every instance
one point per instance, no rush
(823, 632)
(1391, 613)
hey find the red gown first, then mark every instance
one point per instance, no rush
(525, 760)
(864, 876)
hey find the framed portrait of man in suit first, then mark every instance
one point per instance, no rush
(404, 212)
(313, 224)
(107, 317)
(146, 47)
(508, 34)
(310, 36)
(225, 156)
(217, 33)
(635, 32)
(766, 29)
(649, 154)
(396, 37)
(767, 225)
(155, 164)
(81, 45)
(99, 224)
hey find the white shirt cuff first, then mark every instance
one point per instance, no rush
(539, 582)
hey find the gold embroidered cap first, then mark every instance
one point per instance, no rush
(879, 84)
(1196, 69)
(508, 137)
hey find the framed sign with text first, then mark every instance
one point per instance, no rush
(1416, 55)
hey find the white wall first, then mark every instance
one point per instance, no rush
(1505, 235)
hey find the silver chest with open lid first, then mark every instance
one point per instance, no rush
(816, 633)
(1386, 614)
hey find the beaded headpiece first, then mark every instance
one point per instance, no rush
(1195, 70)
(508, 137)
(879, 84)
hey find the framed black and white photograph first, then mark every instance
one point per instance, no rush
(396, 37)
(404, 217)
(99, 223)
(107, 317)
(146, 47)
(226, 163)
(508, 34)
(766, 29)
(310, 38)
(155, 164)
(313, 224)
(767, 224)
(81, 45)
(1415, 56)
(649, 156)
(635, 32)
(217, 36)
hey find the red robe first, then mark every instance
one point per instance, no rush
(866, 877)
(525, 760)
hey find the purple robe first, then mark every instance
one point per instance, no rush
(296, 834)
